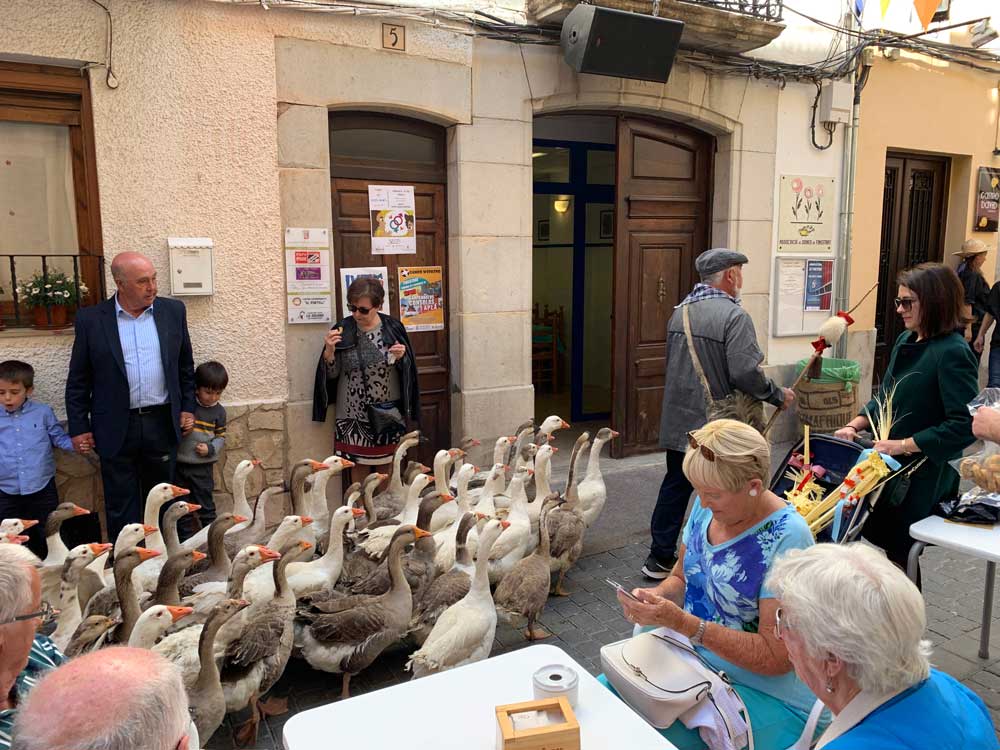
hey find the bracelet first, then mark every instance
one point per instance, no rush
(851, 427)
(699, 634)
(906, 452)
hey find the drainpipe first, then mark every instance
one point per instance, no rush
(848, 171)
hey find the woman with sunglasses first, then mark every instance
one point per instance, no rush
(366, 362)
(853, 626)
(932, 376)
(716, 595)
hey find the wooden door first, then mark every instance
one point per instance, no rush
(353, 247)
(664, 184)
(913, 202)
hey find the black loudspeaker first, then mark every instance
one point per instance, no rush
(618, 43)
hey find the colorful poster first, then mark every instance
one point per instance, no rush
(309, 307)
(393, 219)
(307, 270)
(987, 200)
(805, 219)
(819, 286)
(421, 298)
(347, 277)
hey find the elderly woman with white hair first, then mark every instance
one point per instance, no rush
(716, 593)
(853, 625)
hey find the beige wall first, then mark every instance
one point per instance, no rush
(916, 104)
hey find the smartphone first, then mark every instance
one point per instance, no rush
(619, 587)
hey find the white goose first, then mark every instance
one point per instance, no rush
(241, 507)
(259, 583)
(306, 577)
(16, 526)
(446, 514)
(464, 632)
(376, 541)
(543, 487)
(516, 541)
(94, 576)
(592, 491)
(394, 497)
(154, 622)
(70, 614)
(500, 451)
(318, 506)
(445, 539)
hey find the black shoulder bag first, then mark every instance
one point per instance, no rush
(385, 417)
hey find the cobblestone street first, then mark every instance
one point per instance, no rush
(590, 617)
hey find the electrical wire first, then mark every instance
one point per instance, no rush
(110, 78)
(829, 127)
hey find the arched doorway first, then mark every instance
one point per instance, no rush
(622, 208)
(380, 149)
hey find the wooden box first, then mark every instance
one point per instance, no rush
(564, 735)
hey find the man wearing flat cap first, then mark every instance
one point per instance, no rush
(713, 360)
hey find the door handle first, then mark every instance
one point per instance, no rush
(661, 290)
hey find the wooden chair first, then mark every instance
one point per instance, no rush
(546, 343)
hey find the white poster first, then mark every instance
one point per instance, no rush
(312, 237)
(393, 219)
(309, 307)
(347, 277)
(805, 218)
(307, 270)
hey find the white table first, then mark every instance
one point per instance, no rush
(978, 541)
(455, 709)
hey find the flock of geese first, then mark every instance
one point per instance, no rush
(427, 564)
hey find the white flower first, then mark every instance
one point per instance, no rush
(48, 286)
(34, 290)
(65, 294)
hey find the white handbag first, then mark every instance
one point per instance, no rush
(650, 674)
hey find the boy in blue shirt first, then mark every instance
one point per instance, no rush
(28, 431)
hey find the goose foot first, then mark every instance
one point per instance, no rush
(246, 733)
(534, 633)
(345, 691)
(559, 590)
(273, 706)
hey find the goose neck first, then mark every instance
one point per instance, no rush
(397, 577)
(594, 460)
(208, 671)
(240, 505)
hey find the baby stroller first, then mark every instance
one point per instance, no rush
(837, 457)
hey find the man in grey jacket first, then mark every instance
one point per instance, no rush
(726, 344)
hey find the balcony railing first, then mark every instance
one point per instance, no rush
(768, 10)
(35, 275)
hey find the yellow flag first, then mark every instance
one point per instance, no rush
(885, 7)
(925, 9)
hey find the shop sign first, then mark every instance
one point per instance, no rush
(805, 219)
(987, 200)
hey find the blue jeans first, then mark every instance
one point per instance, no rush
(994, 377)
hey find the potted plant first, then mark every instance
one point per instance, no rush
(50, 297)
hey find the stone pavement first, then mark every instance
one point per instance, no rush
(590, 617)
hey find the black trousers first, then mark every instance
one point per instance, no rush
(200, 479)
(671, 504)
(35, 507)
(146, 458)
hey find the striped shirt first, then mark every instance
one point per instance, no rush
(43, 656)
(147, 383)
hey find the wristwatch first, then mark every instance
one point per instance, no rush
(696, 639)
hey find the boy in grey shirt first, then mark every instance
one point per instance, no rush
(202, 447)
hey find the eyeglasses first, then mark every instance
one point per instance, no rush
(708, 453)
(362, 310)
(47, 614)
(905, 302)
(779, 623)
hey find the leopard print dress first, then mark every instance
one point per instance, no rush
(354, 438)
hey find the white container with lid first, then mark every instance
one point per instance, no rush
(554, 680)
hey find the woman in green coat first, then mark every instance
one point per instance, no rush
(935, 376)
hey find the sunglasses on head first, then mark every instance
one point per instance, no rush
(905, 302)
(708, 453)
(362, 310)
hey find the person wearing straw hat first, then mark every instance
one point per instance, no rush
(977, 291)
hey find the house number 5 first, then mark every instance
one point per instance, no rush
(394, 37)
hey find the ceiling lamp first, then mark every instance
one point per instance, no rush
(561, 205)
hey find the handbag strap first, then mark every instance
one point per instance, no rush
(694, 354)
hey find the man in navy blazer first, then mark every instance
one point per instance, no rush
(130, 390)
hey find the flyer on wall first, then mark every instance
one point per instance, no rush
(307, 270)
(309, 307)
(421, 298)
(819, 286)
(393, 219)
(347, 277)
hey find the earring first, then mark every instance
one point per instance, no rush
(829, 686)
(753, 493)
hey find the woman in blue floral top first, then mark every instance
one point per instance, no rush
(716, 593)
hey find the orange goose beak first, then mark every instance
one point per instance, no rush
(177, 613)
(198, 556)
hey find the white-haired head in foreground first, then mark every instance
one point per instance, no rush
(117, 698)
(846, 605)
